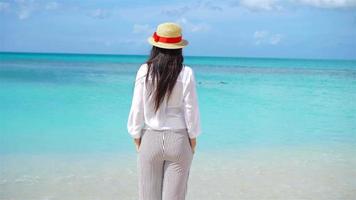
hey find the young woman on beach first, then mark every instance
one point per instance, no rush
(164, 118)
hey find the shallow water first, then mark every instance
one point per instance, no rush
(272, 128)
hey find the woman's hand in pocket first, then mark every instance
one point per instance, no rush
(137, 142)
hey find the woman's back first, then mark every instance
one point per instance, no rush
(180, 111)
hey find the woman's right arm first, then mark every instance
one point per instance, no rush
(135, 121)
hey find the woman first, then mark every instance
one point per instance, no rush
(164, 118)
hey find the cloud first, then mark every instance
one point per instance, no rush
(51, 5)
(258, 5)
(25, 8)
(260, 34)
(275, 39)
(192, 7)
(193, 27)
(142, 28)
(329, 3)
(176, 11)
(209, 5)
(272, 5)
(99, 13)
(4, 6)
(24, 14)
(265, 37)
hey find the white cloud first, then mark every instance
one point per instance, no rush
(265, 37)
(24, 14)
(194, 6)
(211, 6)
(4, 6)
(329, 3)
(51, 5)
(275, 39)
(192, 27)
(260, 34)
(256, 5)
(142, 28)
(25, 8)
(177, 11)
(271, 5)
(99, 13)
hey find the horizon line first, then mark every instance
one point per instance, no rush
(207, 56)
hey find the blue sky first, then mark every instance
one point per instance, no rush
(247, 28)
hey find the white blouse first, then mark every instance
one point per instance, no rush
(181, 110)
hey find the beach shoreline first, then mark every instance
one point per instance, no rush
(295, 173)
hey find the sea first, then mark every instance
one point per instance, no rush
(272, 128)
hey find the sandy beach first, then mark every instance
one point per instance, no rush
(260, 174)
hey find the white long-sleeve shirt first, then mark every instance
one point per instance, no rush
(181, 110)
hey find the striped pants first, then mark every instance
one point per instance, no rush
(163, 164)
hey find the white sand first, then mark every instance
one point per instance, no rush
(258, 174)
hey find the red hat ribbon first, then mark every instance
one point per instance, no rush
(158, 38)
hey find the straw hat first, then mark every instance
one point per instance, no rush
(168, 36)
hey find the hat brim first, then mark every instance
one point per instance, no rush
(178, 45)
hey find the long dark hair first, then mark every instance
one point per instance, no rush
(164, 66)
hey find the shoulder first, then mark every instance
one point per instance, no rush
(141, 72)
(142, 69)
(188, 72)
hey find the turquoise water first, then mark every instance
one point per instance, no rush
(272, 128)
(68, 103)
